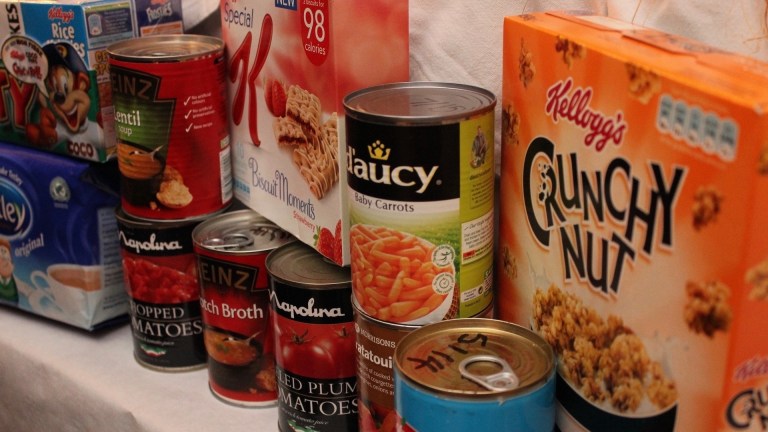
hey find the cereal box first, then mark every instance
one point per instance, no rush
(634, 180)
(290, 63)
(54, 77)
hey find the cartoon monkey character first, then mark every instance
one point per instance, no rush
(64, 113)
(8, 289)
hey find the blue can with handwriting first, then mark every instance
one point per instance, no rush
(474, 374)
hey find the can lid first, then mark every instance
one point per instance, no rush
(157, 48)
(477, 357)
(240, 232)
(297, 264)
(418, 103)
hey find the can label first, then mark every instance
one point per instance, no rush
(172, 138)
(421, 218)
(376, 343)
(160, 277)
(315, 358)
(234, 298)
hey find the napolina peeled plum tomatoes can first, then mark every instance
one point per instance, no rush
(314, 341)
(231, 250)
(163, 293)
(474, 374)
(173, 144)
(421, 183)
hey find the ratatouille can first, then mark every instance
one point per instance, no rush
(314, 341)
(231, 251)
(173, 145)
(474, 374)
(420, 169)
(163, 293)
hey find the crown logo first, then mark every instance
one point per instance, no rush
(378, 150)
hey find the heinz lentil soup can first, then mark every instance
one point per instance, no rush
(231, 251)
(163, 293)
(474, 374)
(173, 148)
(314, 341)
(420, 171)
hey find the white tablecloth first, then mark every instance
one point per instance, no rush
(57, 378)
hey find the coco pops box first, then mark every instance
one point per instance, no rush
(54, 77)
(290, 63)
(634, 184)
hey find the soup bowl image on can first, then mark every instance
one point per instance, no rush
(474, 374)
(314, 331)
(231, 251)
(420, 172)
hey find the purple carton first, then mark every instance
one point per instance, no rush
(59, 247)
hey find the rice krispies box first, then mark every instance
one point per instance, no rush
(634, 184)
(290, 65)
(54, 77)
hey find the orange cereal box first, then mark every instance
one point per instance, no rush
(290, 63)
(634, 183)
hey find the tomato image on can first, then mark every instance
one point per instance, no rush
(173, 145)
(163, 293)
(231, 251)
(315, 357)
(474, 374)
(421, 185)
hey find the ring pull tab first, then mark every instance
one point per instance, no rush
(498, 381)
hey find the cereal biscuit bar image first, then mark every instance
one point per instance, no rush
(304, 107)
(288, 132)
(318, 160)
(510, 126)
(707, 310)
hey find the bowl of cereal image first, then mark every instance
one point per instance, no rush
(609, 378)
(399, 277)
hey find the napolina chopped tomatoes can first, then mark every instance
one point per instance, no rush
(173, 147)
(231, 251)
(474, 374)
(163, 293)
(313, 322)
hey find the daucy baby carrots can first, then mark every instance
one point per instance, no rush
(421, 175)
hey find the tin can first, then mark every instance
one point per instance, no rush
(421, 175)
(173, 147)
(231, 251)
(376, 343)
(315, 357)
(474, 374)
(161, 279)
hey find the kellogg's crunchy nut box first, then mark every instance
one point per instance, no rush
(634, 187)
(291, 62)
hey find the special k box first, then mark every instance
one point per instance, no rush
(634, 189)
(290, 63)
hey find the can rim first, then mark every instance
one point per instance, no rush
(493, 325)
(177, 47)
(358, 105)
